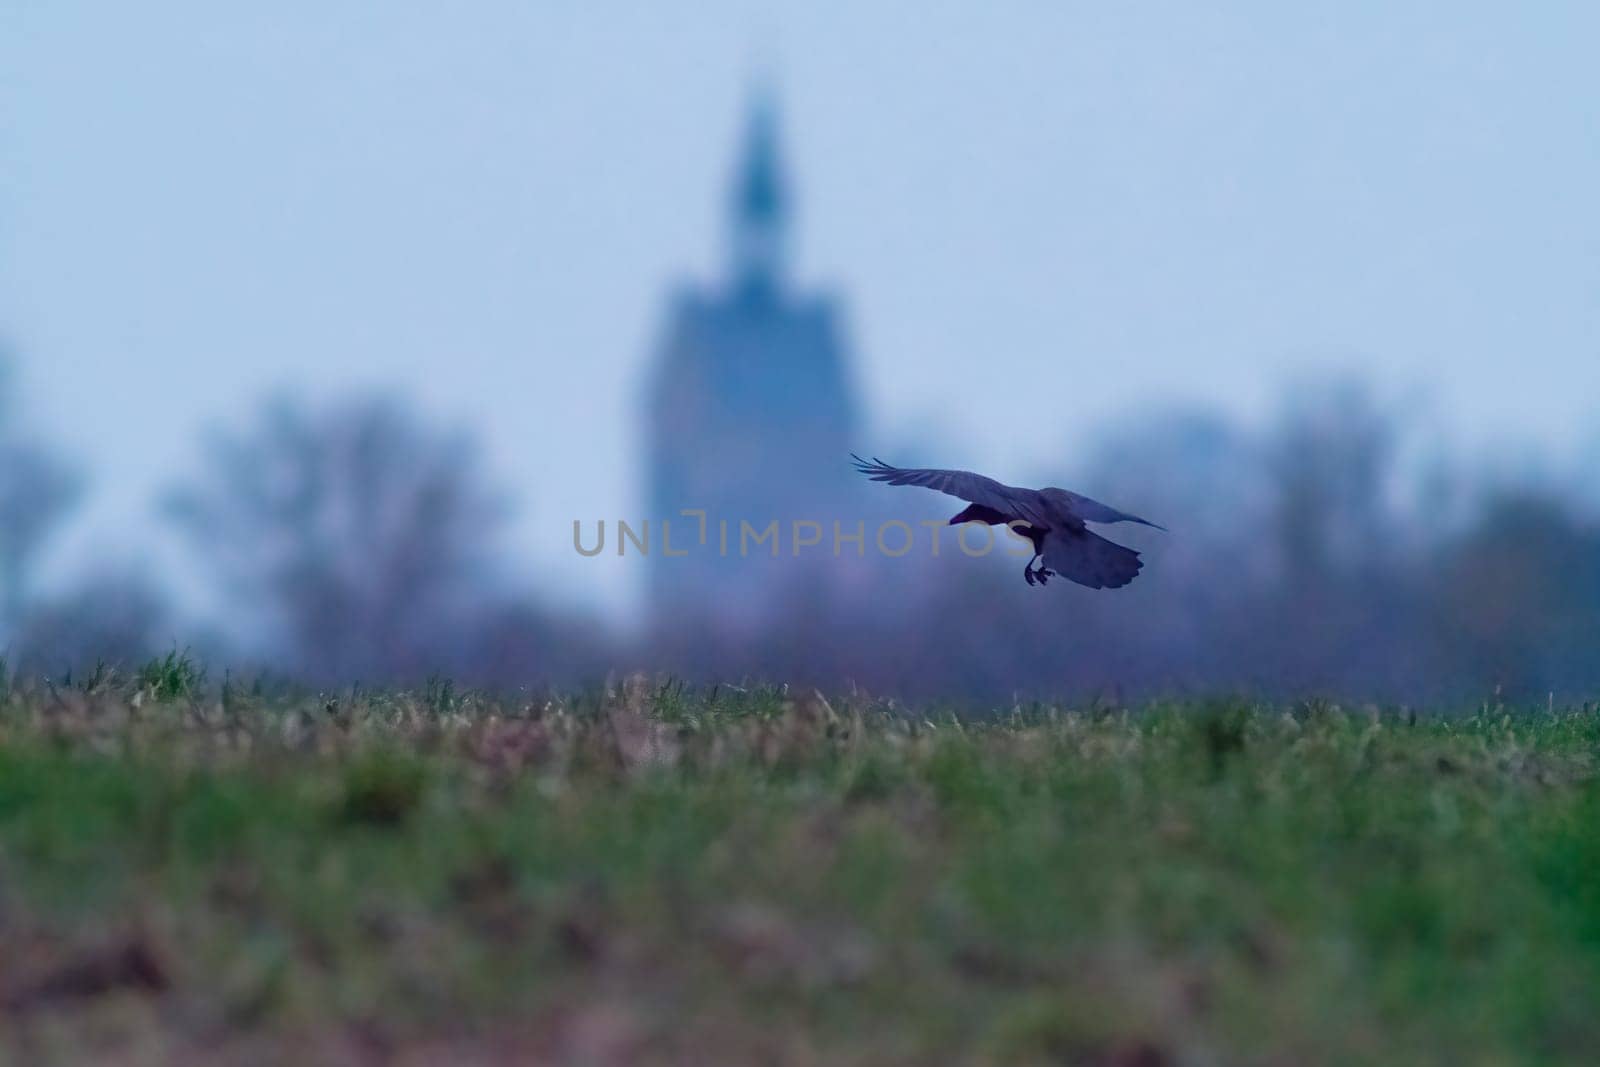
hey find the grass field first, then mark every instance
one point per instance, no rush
(202, 874)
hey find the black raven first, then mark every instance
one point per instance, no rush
(1053, 519)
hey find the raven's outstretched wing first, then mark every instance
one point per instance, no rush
(1010, 501)
(1089, 559)
(1090, 510)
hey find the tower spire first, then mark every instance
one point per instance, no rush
(760, 205)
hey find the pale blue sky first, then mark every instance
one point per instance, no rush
(1058, 210)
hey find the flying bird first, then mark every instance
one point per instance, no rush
(1053, 519)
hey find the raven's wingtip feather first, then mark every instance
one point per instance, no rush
(877, 469)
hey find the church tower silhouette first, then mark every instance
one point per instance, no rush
(750, 414)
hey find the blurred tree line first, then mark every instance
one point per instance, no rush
(355, 540)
